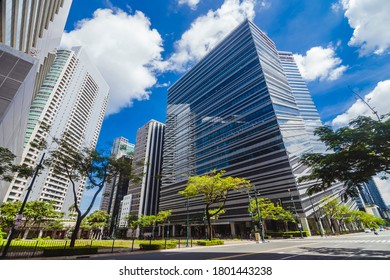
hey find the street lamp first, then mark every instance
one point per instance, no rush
(317, 218)
(296, 214)
(188, 220)
(259, 215)
(168, 229)
(19, 217)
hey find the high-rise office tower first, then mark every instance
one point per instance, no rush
(243, 108)
(371, 196)
(147, 163)
(115, 190)
(34, 27)
(17, 76)
(121, 147)
(30, 32)
(71, 100)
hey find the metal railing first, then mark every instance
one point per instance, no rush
(25, 249)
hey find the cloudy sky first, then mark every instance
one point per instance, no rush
(342, 48)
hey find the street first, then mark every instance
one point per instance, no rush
(359, 246)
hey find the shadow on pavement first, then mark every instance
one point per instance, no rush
(348, 251)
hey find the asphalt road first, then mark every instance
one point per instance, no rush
(360, 246)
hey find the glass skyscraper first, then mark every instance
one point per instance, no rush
(243, 108)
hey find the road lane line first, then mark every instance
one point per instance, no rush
(266, 251)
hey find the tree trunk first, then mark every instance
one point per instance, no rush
(209, 227)
(163, 231)
(75, 232)
(25, 234)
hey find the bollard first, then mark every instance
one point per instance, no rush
(132, 245)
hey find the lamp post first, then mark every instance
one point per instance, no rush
(296, 214)
(188, 220)
(168, 229)
(253, 227)
(19, 217)
(317, 218)
(259, 215)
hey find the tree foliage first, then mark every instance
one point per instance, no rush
(269, 211)
(356, 153)
(341, 214)
(35, 214)
(8, 169)
(214, 189)
(8, 211)
(97, 168)
(162, 218)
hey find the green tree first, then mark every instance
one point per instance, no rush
(8, 169)
(214, 190)
(369, 220)
(97, 221)
(268, 211)
(8, 211)
(162, 218)
(331, 209)
(285, 216)
(357, 153)
(54, 226)
(38, 212)
(133, 223)
(96, 167)
(146, 221)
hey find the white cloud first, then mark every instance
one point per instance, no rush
(124, 48)
(191, 3)
(379, 99)
(336, 7)
(320, 63)
(370, 20)
(207, 30)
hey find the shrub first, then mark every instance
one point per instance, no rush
(57, 252)
(2, 235)
(213, 242)
(297, 233)
(157, 245)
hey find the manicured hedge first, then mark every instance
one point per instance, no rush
(288, 233)
(213, 242)
(157, 245)
(58, 252)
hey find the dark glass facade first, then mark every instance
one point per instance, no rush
(235, 110)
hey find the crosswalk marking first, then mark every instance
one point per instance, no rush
(358, 241)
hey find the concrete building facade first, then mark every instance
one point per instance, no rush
(147, 164)
(71, 100)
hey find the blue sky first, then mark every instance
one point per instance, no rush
(142, 47)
